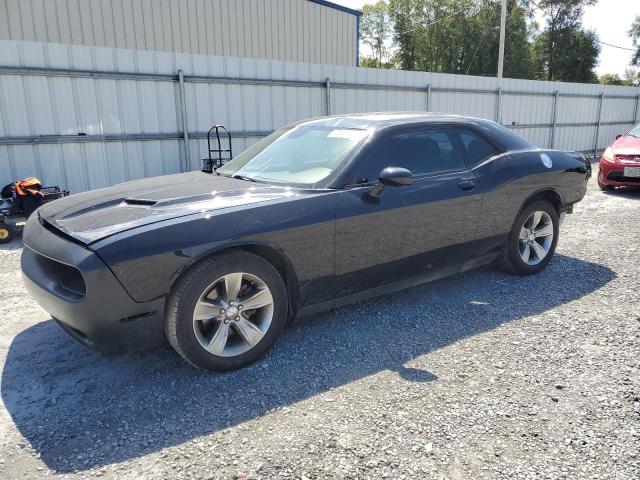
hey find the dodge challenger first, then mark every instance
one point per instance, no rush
(316, 215)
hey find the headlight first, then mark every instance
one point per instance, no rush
(608, 155)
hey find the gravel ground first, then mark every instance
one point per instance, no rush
(481, 375)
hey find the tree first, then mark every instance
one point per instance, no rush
(372, 62)
(574, 62)
(562, 18)
(459, 36)
(462, 36)
(484, 40)
(634, 33)
(406, 16)
(632, 77)
(611, 79)
(564, 50)
(375, 28)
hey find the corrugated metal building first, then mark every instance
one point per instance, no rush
(314, 31)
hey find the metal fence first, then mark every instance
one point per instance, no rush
(88, 117)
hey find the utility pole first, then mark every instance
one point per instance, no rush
(503, 22)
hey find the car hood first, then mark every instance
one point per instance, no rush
(92, 216)
(627, 146)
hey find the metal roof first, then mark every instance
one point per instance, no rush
(337, 7)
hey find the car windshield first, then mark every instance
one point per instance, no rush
(305, 156)
(634, 132)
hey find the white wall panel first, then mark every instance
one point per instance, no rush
(577, 109)
(295, 30)
(34, 105)
(541, 137)
(575, 138)
(473, 104)
(614, 109)
(526, 109)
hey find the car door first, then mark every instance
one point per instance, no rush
(420, 229)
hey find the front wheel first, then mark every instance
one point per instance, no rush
(532, 240)
(604, 187)
(227, 311)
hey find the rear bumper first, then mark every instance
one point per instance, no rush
(81, 293)
(613, 174)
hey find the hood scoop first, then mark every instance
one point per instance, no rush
(140, 202)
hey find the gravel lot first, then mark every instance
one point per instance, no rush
(482, 375)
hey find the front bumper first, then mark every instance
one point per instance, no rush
(81, 293)
(612, 174)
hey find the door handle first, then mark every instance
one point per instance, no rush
(467, 185)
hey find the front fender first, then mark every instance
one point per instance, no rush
(148, 260)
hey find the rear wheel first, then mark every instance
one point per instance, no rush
(227, 311)
(7, 232)
(532, 240)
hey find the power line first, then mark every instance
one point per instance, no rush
(482, 3)
(616, 46)
(474, 53)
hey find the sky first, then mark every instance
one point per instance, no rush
(610, 19)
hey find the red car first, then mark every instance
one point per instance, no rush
(620, 163)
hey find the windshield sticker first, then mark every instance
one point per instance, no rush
(347, 134)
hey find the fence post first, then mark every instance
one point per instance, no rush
(183, 118)
(498, 102)
(327, 98)
(553, 118)
(595, 140)
(428, 96)
(636, 116)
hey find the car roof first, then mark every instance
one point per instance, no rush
(377, 121)
(388, 119)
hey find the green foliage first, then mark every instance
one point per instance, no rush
(375, 29)
(573, 61)
(611, 79)
(564, 50)
(634, 33)
(372, 62)
(459, 36)
(462, 36)
(632, 77)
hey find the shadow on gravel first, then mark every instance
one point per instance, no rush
(80, 411)
(632, 193)
(14, 244)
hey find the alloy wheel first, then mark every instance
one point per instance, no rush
(536, 238)
(233, 314)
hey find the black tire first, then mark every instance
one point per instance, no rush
(179, 323)
(603, 187)
(510, 260)
(7, 232)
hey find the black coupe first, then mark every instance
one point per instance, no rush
(318, 214)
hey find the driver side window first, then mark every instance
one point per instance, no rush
(421, 152)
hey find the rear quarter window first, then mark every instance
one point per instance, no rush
(502, 136)
(476, 148)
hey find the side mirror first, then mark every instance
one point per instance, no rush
(618, 136)
(393, 177)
